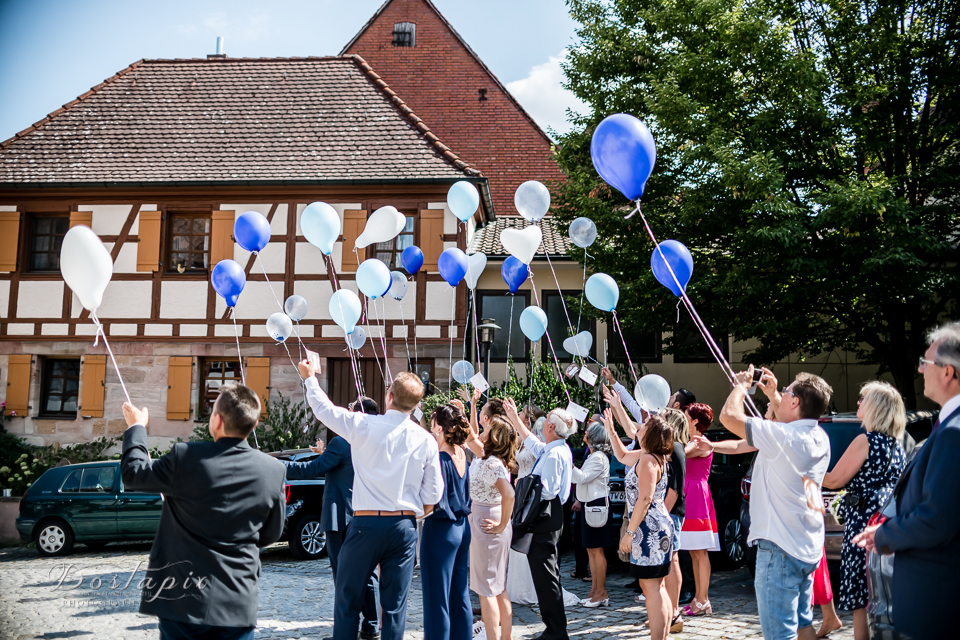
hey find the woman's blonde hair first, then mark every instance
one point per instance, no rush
(679, 423)
(883, 409)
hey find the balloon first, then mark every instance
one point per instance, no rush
(453, 265)
(679, 259)
(373, 278)
(321, 226)
(583, 232)
(251, 231)
(533, 322)
(579, 345)
(532, 200)
(398, 285)
(356, 338)
(514, 273)
(296, 307)
(463, 199)
(462, 371)
(476, 263)
(412, 259)
(522, 243)
(652, 392)
(384, 224)
(345, 309)
(228, 279)
(279, 326)
(624, 153)
(86, 265)
(602, 292)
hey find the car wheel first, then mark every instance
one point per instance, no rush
(732, 543)
(308, 540)
(54, 538)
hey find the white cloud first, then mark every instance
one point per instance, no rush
(542, 95)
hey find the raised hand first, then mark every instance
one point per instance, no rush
(768, 383)
(464, 395)
(609, 376)
(459, 405)
(318, 447)
(306, 369)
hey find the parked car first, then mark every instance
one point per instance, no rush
(85, 503)
(302, 532)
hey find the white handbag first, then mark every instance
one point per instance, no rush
(596, 517)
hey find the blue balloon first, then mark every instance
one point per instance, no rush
(533, 323)
(412, 259)
(678, 257)
(320, 224)
(251, 231)
(602, 292)
(514, 273)
(453, 265)
(463, 200)
(373, 278)
(345, 309)
(624, 153)
(228, 280)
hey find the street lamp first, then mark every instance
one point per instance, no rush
(487, 329)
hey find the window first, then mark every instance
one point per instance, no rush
(216, 373)
(46, 236)
(60, 386)
(90, 480)
(500, 307)
(644, 347)
(559, 329)
(691, 347)
(389, 252)
(189, 242)
(424, 369)
(404, 34)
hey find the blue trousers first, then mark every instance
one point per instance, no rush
(371, 606)
(369, 541)
(445, 580)
(176, 630)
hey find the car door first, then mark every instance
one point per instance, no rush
(89, 499)
(138, 513)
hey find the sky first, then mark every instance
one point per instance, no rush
(51, 51)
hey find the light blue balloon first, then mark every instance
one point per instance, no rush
(602, 292)
(463, 199)
(533, 322)
(462, 371)
(320, 224)
(373, 278)
(345, 309)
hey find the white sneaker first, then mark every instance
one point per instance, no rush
(641, 598)
(479, 629)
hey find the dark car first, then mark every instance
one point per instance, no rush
(303, 532)
(85, 503)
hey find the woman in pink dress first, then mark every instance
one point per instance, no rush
(699, 534)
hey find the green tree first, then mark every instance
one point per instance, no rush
(807, 156)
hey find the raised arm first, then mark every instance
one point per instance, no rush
(510, 406)
(341, 420)
(335, 455)
(138, 471)
(624, 456)
(629, 426)
(733, 417)
(728, 447)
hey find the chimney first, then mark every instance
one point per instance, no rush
(219, 53)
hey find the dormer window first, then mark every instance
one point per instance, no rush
(404, 34)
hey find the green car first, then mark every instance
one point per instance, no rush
(85, 503)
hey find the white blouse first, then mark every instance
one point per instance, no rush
(483, 480)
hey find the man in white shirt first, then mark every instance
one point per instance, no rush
(792, 459)
(396, 472)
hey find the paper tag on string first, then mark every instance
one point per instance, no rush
(479, 382)
(571, 371)
(579, 413)
(417, 414)
(314, 359)
(588, 376)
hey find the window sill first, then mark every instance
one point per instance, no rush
(56, 416)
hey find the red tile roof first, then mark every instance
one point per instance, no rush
(486, 240)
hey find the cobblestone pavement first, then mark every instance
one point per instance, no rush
(39, 598)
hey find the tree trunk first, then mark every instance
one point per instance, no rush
(904, 371)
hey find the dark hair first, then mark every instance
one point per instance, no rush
(239, 408)
(494, 408)
(701, 415)
(657, 436)
(534, 413)
(502, 442)
(685, 397)
(365, 405)
(454, 424)
(813, 393)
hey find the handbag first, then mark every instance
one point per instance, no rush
(596, 517)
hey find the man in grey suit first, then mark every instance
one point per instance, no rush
(222, 501)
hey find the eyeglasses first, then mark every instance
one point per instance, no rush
(786, 390)
(924, 362)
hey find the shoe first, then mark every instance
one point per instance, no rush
(369, 635)
(640, 598)
(587, 578)
(632, 585)
(685, 598)
(698, 609)
(677, 625)
(593, 605)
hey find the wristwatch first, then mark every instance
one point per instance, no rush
(630, 533)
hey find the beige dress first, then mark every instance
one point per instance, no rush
(488, 552)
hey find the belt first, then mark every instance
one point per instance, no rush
(384, 513)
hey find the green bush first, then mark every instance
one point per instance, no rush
(289, 425)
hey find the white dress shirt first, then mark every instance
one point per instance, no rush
(949, 407)
(554, 462)
(629, 402)
(396, 464)
(593, 478)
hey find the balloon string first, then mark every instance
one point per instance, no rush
(101, 332)
(616, 324)
(583, 285)
(453, 311)
(533, 369)
(465, 332)
(559, 290)
(506, 367)
(353, 364)
(406, 330)
(383, 336)
(295, 367)
(373, 339)
(476, 335)
(269, 284)
(236, 332)
(550, 342)
(333, 274)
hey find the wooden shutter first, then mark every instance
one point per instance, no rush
(431, 237)
(258, 379)
(179, 373)
(81, 217)
(221, 236)
(148, 250)
(9, 239)
(94, 370)
(18, 384)
(354, 220)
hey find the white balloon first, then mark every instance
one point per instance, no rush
(579, 345)
(652, 392)
(296, 307)
(398, 285)
(462, 371)
(583, 232)
(522, 243)
(532, 200)
(279, 326)
(384, 224)
(356, 338)
(86, 265)
(476, 263)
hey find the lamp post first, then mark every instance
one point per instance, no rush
(487, 329)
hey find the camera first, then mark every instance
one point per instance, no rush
(757, 374)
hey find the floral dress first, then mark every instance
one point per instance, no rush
(653, 540)
(872, 486)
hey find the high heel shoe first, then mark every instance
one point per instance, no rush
(592, 605)
(696, 608)
(676, 626)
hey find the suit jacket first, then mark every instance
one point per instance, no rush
(336, 466)
(222, 501)
(925, 534)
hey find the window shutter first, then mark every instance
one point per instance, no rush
(431, 237)
(179, 373)
(81, 217)
(18, 384)
(9, 239)
(148, 250)
(258, 379)
(94, 370)
(354, 220)
(221, 236)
